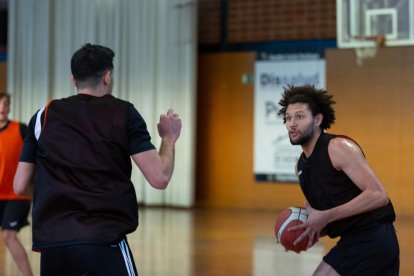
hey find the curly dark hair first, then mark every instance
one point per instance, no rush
(318, 101)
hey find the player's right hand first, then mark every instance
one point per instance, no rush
(169, 126)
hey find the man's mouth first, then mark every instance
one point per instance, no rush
(293, 133)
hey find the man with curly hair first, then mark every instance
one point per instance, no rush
(345, 197)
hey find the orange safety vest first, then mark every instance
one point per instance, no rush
(11, 143)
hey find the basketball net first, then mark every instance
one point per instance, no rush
(366, 52)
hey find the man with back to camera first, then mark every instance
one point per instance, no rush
(78, 149)
(14, 209)
(346, 199)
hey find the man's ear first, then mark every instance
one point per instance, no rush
(107, 77)
(72, 79)
(319, 119)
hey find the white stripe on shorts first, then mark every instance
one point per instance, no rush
(127, 257)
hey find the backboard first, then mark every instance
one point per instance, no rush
(393, 19)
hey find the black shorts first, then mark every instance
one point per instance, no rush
(88, 259)
(13, 214)
(374, 251)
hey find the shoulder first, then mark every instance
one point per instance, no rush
(110, 97)
(124, 107)
(343, 149)
(134, 114)
(18, 124)
(118, 104)
(343, 143)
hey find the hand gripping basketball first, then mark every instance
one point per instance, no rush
(286, 219)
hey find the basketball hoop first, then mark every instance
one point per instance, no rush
(368, 51)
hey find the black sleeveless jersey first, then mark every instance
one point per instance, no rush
(83, 191)
(325, 187)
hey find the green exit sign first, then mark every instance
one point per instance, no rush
(247, 78)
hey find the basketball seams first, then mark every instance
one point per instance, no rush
(296, 214)
(289, 217)
(302, 214)
(284, 225)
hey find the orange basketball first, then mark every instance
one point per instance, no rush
(287, 218)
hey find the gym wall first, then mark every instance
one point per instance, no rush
(3, 76)
(374, 106)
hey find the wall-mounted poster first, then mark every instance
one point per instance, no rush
(274, 156)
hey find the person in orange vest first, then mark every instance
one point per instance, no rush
(14, 209)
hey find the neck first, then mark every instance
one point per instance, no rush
(309, 146)
(93, 92)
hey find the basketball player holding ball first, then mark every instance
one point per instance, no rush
(345, 197)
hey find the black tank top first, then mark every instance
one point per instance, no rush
(325, 187)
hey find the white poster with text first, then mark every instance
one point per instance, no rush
(274, 156)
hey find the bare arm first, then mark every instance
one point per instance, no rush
(158, 167)
(347, 156)
(23, 179)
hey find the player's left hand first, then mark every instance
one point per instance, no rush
(317, 220)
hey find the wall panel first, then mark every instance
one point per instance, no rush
(375, 106)
(225, 175)
(3, 76)
(265, 20)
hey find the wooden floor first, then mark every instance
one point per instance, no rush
(181, 242)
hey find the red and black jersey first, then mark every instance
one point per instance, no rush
(325, 187)
(11, 142)
(83, 191)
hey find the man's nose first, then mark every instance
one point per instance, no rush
(292, 123)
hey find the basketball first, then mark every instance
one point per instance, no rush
(287, 218)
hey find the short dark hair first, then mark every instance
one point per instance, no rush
(318, 100)
(90, 62)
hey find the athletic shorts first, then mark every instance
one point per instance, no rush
(373, 251)
(13, 214)
(88, 259)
